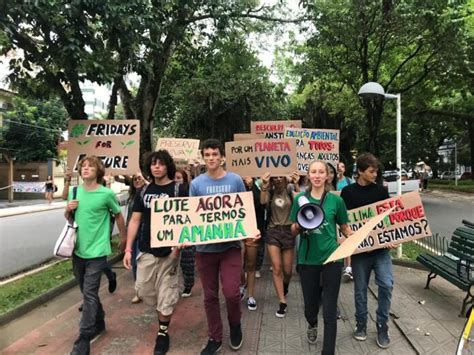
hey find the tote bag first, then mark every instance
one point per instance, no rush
(64, 246)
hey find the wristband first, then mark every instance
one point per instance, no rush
(128, 250)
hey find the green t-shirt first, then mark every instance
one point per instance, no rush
(322, 241)
(93, 218)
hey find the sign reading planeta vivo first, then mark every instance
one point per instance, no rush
(115, 142)
(256, 157)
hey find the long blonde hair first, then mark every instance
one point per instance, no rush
(327, 185)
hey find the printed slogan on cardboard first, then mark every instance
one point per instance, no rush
(406, 222)
(115, 142)
(203, 219)
(314, 144)
(272, 129)
(256, 157)
(180, 148)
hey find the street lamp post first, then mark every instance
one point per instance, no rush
(375, 90)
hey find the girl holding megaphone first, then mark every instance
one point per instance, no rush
(315, 247)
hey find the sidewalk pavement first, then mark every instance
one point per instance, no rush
(424, 321)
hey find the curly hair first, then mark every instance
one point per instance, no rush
(96, 163)
(213, 144)
(165, 158)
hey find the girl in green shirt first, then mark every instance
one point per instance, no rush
(315, 247)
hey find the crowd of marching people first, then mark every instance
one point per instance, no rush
(163, 275)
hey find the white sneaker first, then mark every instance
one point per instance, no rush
(258, 274)
(251, 304)
(347, 274)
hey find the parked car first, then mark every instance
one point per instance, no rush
(392, 175)
(449, 175)
(390, 182)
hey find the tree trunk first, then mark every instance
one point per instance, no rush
(374, 112)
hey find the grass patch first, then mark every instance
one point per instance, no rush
(466, 186)
(29, 287)
(410, 250)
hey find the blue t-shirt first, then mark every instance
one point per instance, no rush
(343, 183)
(204, 185)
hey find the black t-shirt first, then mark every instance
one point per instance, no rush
(355, 195)
(142, 205)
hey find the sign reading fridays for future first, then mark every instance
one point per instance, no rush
(202, 220)
(256, 157)
(314, 144)
(406, 222)
(115, 142)
(272, 129)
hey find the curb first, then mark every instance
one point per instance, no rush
(45, 297)
(409, 263)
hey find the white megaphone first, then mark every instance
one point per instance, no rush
(310, 215)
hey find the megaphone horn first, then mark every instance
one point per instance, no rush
(310, 215)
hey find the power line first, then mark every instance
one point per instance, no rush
(33, 125)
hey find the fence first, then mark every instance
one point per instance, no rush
(436, 244)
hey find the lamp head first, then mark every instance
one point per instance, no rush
(371, 90)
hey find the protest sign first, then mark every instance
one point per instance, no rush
(245, 136)
(405, 223)
(272, 129)
(348, 247)
(256, 157)
(180, 148)
(314, 144)
(202, 219)
(116, 142)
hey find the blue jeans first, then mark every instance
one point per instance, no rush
(362, 265)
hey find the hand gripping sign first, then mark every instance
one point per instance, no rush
(202, 220)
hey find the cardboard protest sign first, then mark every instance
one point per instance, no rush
(349, 246)
(245, 136)
(272, 129)
(116, 142)
(314, 144)
(405, 223)
(202, 220)
(180, 148)
(256, 157)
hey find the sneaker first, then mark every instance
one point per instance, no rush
(251, 304)
(383, 337)
(281, 312)
(82, 346)
(347, 274)
(113, 283)
(312, 334)
(286, 286)
(186, 292)
(136, 299)
(162, 343)
(212, 347)
(242, 292)
(236, 338)
(258, 274)
(360, 332)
